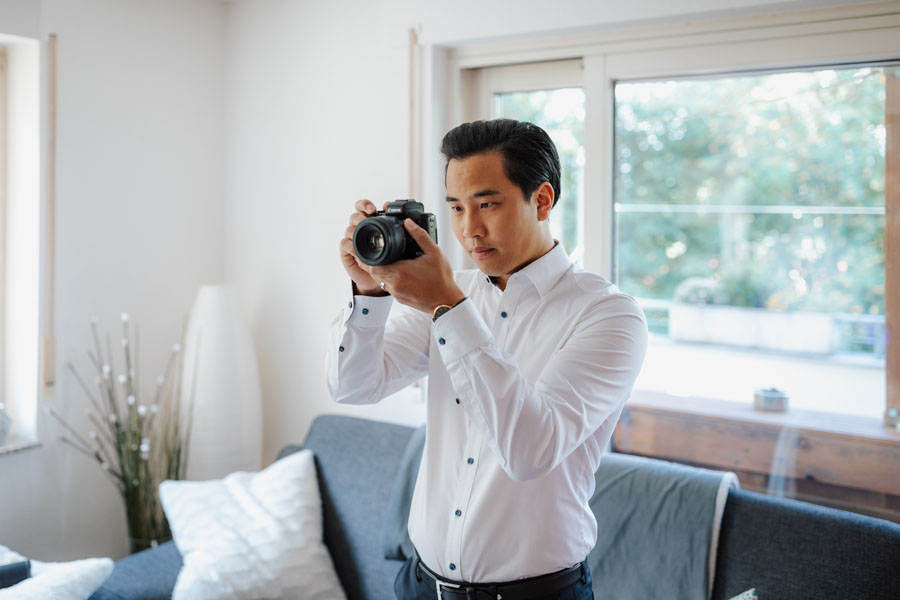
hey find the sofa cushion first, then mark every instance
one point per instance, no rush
(252, 535)
(790, 550)
(72, 580)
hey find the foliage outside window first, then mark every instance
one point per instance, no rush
(763, 191)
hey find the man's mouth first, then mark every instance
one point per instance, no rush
(481, 252)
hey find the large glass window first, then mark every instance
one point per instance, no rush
(749, 220)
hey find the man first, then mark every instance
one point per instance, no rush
(529, 363)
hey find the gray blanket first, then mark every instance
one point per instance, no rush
(657, 528)
(657, 524)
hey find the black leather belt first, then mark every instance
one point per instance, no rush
(532, 588)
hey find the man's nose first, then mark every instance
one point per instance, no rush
(473, 226)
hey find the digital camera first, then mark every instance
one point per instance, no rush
(381, 239)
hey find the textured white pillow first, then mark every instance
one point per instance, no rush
(252, 535)
(74, 580)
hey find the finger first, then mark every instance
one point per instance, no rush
(347, 247)
(348, 233)
(356, 218)
(365, 206)
(420, 235)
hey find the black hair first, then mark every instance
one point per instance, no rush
(529, 155)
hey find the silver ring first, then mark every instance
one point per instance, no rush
(381, 285)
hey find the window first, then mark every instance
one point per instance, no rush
(20, 236)
(549, 95)
(560, 112)
(749, 220)
(741, 166)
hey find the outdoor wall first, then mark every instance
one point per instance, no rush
(138, 228)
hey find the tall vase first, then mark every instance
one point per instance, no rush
(222, 376)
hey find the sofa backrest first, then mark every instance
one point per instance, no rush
(784, 548)
(790, 550)
(357, 462)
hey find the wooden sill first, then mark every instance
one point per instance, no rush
(833, 451)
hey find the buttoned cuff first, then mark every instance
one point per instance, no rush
(368, 312)
(460, 331)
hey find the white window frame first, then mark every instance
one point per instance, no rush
(21, 242)
(826, 37)
(857, 454)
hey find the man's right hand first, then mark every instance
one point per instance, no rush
(356, 269)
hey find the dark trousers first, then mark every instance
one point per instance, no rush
(412, 583)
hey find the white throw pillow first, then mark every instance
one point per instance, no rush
(74, 580)
(252, 535)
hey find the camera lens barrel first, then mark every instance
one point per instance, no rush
(379, 240)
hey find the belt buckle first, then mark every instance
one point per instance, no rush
(440, 585)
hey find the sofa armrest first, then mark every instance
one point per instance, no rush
(147, 575)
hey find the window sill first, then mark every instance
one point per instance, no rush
(839, 454)
(14, 445)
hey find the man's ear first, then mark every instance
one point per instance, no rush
(543, 200)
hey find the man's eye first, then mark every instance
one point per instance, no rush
(486, 204)
(456, 208)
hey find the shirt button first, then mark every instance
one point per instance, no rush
(471, 461)
(503, 314)
(442, 341)
(458, 513)
(349, 305)
(341, 349)
(365, 311)
(457, 400)
(452, 567)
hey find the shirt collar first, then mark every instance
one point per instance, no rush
(545, 271)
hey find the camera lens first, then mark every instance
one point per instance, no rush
(379, 240)
(373, 243)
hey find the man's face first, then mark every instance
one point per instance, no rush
(491, 219)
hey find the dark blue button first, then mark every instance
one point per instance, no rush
(341, 348)
(457, 400)
(442, 341)
(471, 461)
(503, 314)
(452, 567)
(458, 513)
(365, 311)
(349, 305)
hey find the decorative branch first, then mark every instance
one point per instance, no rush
(136, 445)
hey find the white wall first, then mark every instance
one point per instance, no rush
(470, 20)
(316, 119)
(139, 227)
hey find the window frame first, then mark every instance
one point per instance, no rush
(21, 237)
(667, 426)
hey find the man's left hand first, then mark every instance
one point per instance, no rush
(423, 283)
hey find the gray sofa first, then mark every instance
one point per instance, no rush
(785, 549)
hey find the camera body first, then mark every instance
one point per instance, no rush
(381, 239)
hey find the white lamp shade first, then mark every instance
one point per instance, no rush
(220, 369)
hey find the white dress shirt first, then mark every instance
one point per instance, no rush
(524, 389)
